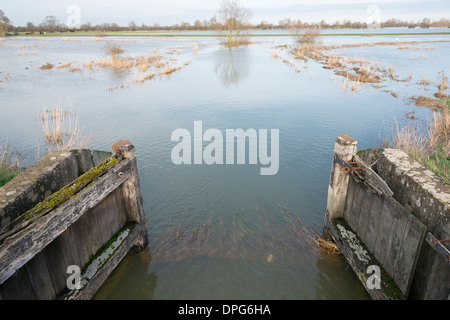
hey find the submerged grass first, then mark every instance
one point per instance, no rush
(265, 240)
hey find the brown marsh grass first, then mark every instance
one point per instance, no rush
(428, 102)
(75, 69)
(443, 81)
(358, 70)
(63, 65)
(142, 77)
(116, 63)
(46, 66)
(442, 95)
(89, 65)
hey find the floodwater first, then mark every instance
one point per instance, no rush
(220, 231)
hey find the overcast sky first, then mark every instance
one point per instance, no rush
(169, 12)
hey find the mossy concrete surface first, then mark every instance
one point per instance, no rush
(41, 180)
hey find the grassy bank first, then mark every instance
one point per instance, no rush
(429, 145)
(10, 159)
(7, 173)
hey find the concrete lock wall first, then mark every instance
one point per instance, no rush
(427, 198)
(89, 223)
(391, 204)
(44, 178)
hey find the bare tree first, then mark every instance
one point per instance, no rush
(234, 19)
(132, 25)
(2, 29)
(5, 23)
(305, 36)
(113, 50)
(50, 23)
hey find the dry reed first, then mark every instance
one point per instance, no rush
(424, 82)
(46, 66)
(443, 81)
(428, 102)
(63, 65)
(75, 69)
(61, 129)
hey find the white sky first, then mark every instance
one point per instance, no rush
(174, 11)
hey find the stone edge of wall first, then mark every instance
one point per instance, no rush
(419, 190)
(42, 179)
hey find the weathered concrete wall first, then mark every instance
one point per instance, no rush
(44, 277)
(427, 197)
(91, 222)
(42, 179)
(399, 210)
(389, 232)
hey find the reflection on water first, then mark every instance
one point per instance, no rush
(132, 271)
(232, 66)
(218, 232)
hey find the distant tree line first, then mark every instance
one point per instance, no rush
(52, 24)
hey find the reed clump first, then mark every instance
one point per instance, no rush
(424, 82)
(46, 66)
(61, 130)
(63, 65)
(116, 63)
(443, 81)
(428, 102)
(75, 69)
(89, 65)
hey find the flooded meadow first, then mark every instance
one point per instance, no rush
(225, 231)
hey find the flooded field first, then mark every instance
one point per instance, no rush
(224, 231)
